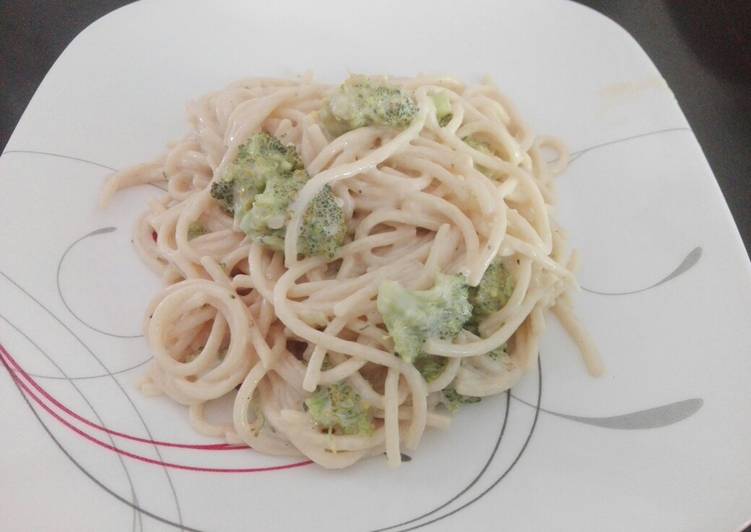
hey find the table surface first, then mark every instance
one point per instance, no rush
(703, 49)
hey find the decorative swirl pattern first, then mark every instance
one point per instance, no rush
(100, 231)
(688, 262)
(649, 418)
(578, 153)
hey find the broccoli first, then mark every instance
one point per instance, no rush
(360, 102)
(442, 108)
(259, 187)
(492, 293)
(412, 316)
(196, 229)
(339, 408)
(263, 157)
(266, 220)
(482, 147)
(430, 366)
(258, 160)
(324, 226)
(224, 193)
(453, 399)
(479, 145)
(499, 352)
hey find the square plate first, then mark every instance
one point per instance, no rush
(659, 443)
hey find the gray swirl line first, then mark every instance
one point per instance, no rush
(100, 231)
(114, 380)
(88, 377)
(694, 255)
(510, 467)
(688, 262)
(88, 403)
(474, 481)
(649, 418)
(61, 156)
(578, 153)
(71, 158)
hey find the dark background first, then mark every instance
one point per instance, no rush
(701, 47)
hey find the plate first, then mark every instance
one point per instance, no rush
(658, 443)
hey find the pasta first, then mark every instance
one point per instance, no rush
(461, 188)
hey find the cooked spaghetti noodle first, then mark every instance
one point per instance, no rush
(464, 184)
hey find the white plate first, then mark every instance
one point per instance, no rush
(639, 201)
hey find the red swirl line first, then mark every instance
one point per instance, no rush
(8, 361)
(16, 368)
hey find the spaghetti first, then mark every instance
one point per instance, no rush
(462, 186)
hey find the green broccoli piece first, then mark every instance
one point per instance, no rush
(196, 229)
(479, 145)
(430, 366)
(224, 193)
(259, 187)
(259, 159)
(499, 352)
(360, 102)
(262, 157)
(492, 293)
(266, 220)
(453, 399)
(442, 108)
(482, 147)
(324, 226)
(339, 408)
(413, 316)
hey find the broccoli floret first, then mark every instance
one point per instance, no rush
(261, 158)
(360, 102)
(482, 147)
(266, 220)
(413, 316)
(339, 408)
(196, 229)
(430, 366)
(479, 145)
(224, 193)
(442, 108)
(492, 293)
(259, 187)
(324, 226)
(499, 352)
(453, 399)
